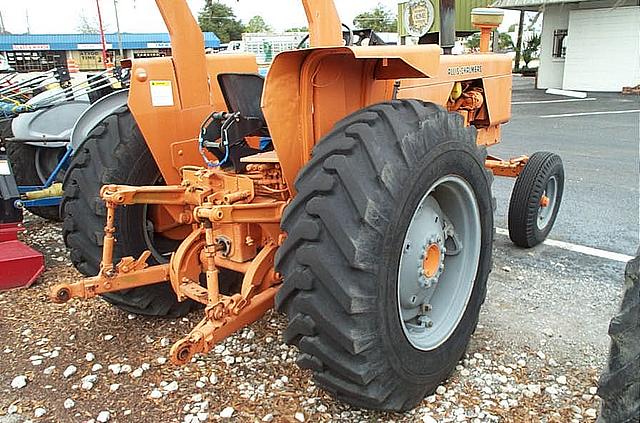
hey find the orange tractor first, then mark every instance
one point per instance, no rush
(351, 188)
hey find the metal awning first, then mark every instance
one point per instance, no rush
(533, 5)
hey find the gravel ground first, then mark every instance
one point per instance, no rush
(536, 355)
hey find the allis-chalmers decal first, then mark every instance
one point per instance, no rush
(463, 70)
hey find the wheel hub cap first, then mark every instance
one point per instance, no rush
(432, 260)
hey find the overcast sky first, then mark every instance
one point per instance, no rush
(52, 16)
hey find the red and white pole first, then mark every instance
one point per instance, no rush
(102, 39)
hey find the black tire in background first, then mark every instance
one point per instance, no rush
(23, 158)
(346, 230)
(619, 385)
(114, 153)
(524, 206)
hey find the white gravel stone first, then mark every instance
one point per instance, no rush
(428, 419)
(562, 380)
(114, 387)
(155, 394)
(70, 371)
(103, 416)
(321, 408)
(108, 337)
(593, 390)
(89, 356)
(137, 373)
(39, 412)
(125, 368)
(171, 387)
(541, 355)
(69, 403)
(203, 417)
(441, 390)
(227, 412)
(49, 370)
(465, 372)
(591, 412)
(161, 360)
(115, 368)
(87, 386)
(90, 378)
(213, 378)
(164, 342)
(13, 409)
(299, 417)
(200, 384)
(267, 417)
(551, 390)
(96, 367)
(54, 354)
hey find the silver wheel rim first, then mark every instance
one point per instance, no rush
(46, 160)
(439, 262)
(545, 212)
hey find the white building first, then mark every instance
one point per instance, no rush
(586, 45)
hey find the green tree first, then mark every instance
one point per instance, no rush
(380, 19)
(89, 25)
(531, 49)
(298, 29)
(504, 41)
(219, 18)
(257, 24)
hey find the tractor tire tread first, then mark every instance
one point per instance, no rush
(332, 323)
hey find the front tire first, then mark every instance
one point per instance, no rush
(114, 153)
(535, 199)
(347, 229)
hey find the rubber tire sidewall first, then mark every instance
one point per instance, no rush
(412, 364)
(526, 196)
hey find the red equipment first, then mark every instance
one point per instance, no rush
(20, 265)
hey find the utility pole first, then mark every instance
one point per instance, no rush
(519, 41)
(2, 29)
(104, 44)
(115, 6)
(26, 12)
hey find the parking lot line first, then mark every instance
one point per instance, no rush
(569, 100)
(615, 112)
(610, 255)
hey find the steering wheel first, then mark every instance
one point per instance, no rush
(347, 36)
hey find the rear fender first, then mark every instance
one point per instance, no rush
(95, 114)
(308, 91)
(49, 127)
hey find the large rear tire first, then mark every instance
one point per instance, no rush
(32, 166)
(345, 258)
(115, 153)
(619, 385)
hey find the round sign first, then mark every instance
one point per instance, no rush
(418, 17)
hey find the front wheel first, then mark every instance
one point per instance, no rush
(388, 252)
(535, 199)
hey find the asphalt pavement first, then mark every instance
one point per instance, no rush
(600, 152)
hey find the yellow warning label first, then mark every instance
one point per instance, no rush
(161, 93)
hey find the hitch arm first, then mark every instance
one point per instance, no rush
(101, 284)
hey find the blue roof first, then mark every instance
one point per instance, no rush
(130, 41)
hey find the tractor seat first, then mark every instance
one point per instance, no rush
(242, 93)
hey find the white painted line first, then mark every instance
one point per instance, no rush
(568, 93)
(616, 112)
(610, 255)
(568, 100)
